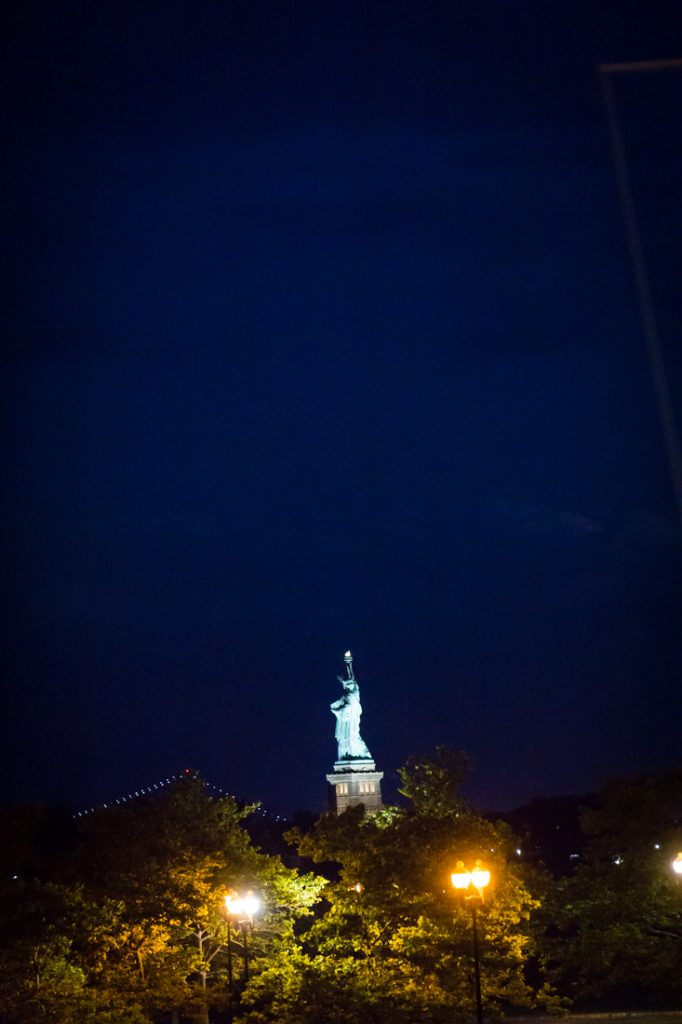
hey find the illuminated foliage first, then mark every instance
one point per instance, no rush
(133, 924)
(395, 943)
(123, 921)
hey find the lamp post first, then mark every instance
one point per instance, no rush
(229, 949)
(243, 908)
(472, 883)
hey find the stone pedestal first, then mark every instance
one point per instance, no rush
(355, 782)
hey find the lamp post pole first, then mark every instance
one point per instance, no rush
(477, 967)
(245, 925)
(472, 884)
(229, 952)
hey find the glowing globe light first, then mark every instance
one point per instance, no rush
(677, 864)
(480, 877)
(234, 904)
(461, 878)
(251, 904)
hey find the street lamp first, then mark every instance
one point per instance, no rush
(472, 883)
(243, 908)
(677, 864)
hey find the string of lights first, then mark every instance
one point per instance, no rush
(160, 785)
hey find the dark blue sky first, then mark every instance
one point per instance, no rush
(321, 333)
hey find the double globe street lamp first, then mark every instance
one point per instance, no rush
(472, 884)
(243, 909)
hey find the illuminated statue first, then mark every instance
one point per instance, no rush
(348, 709)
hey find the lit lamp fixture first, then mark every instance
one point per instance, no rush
(243, 906)
(677, 864)
(464, 881)
(479, 878)
(244, 909)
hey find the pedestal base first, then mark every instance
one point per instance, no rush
(355, 782)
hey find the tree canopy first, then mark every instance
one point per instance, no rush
(120, 918)
(614, 928)
(130, 924)
(395, 941)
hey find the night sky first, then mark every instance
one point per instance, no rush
(321, 333)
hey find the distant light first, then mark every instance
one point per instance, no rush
(574, 856)
(618, 859)
(677, 864)
(657, 846)
(519, 851)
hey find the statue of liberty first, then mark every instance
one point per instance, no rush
(348, 709)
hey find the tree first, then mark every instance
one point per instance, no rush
(614, 929)
(395, 943)
(131, 923)
(433, 783)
